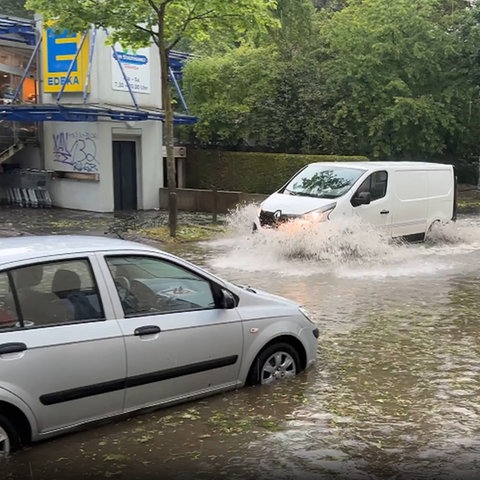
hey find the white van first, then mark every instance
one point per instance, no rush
(404, 198)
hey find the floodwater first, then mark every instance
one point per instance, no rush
(394, 393)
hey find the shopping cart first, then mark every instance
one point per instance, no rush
(27, 187)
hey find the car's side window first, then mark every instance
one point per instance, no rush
(148, 285)
(8, 310)
(376, 184)
(56, 292)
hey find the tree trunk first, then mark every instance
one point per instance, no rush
(169, 140)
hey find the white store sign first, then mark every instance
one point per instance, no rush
(136, 65)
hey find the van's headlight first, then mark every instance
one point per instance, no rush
(306, 314)
(320, 214)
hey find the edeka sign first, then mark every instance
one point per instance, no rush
(59, 51)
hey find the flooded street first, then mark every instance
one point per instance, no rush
(394, 393)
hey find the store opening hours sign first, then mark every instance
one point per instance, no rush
(136, 66)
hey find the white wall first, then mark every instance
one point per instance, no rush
(73, 146)
(82, 148)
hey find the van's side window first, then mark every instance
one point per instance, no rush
(376, 184)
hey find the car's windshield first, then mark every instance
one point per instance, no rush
(323, 181)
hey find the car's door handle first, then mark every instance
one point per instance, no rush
(384, 212)
(147, 330)
(13, 347)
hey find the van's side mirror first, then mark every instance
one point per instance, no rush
(227, 300)
(361, 198)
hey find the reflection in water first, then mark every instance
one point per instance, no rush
(394, 393)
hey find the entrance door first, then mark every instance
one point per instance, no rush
(124, 175)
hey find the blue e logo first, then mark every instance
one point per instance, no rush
(61, 50)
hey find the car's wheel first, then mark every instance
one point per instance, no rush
(274, 363)
(9, 437)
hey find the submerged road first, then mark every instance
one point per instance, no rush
(394, 393)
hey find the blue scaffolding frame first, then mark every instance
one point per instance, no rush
(18, 30)
(81, 113)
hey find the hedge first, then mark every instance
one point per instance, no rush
(249, 172)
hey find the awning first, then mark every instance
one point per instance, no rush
(85, 113)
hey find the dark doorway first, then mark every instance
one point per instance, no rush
(124, 175)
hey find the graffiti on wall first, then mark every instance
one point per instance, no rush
(77, 149)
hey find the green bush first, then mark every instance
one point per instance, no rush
(249, 172)
(467, 171)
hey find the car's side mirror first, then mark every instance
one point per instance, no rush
(362, 198)
(227, 300)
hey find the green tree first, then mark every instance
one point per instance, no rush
(390, 90)
(15, 8)
(261, 94)
(223, 90)
(330, 4)
(466, 31)
(165, 23)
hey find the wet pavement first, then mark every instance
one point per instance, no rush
(43, 221)
(394, 393)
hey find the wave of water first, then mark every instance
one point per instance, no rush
(301, 247)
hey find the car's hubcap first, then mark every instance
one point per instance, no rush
(278, 366)
(4, 442)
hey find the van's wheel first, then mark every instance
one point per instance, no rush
(274, 363)
(9, 437)
(433, 226)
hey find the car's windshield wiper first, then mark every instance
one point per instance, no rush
(305, 194)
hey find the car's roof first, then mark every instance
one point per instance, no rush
(37, 246)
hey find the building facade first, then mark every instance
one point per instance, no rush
(97, 114)
(101, 165)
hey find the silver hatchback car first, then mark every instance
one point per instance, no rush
(93, 327)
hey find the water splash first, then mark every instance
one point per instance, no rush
(445, 233)
(301, 247)
(240, 220)
(337, 241)
(333, 241)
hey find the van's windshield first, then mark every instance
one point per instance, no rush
(323, 181)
